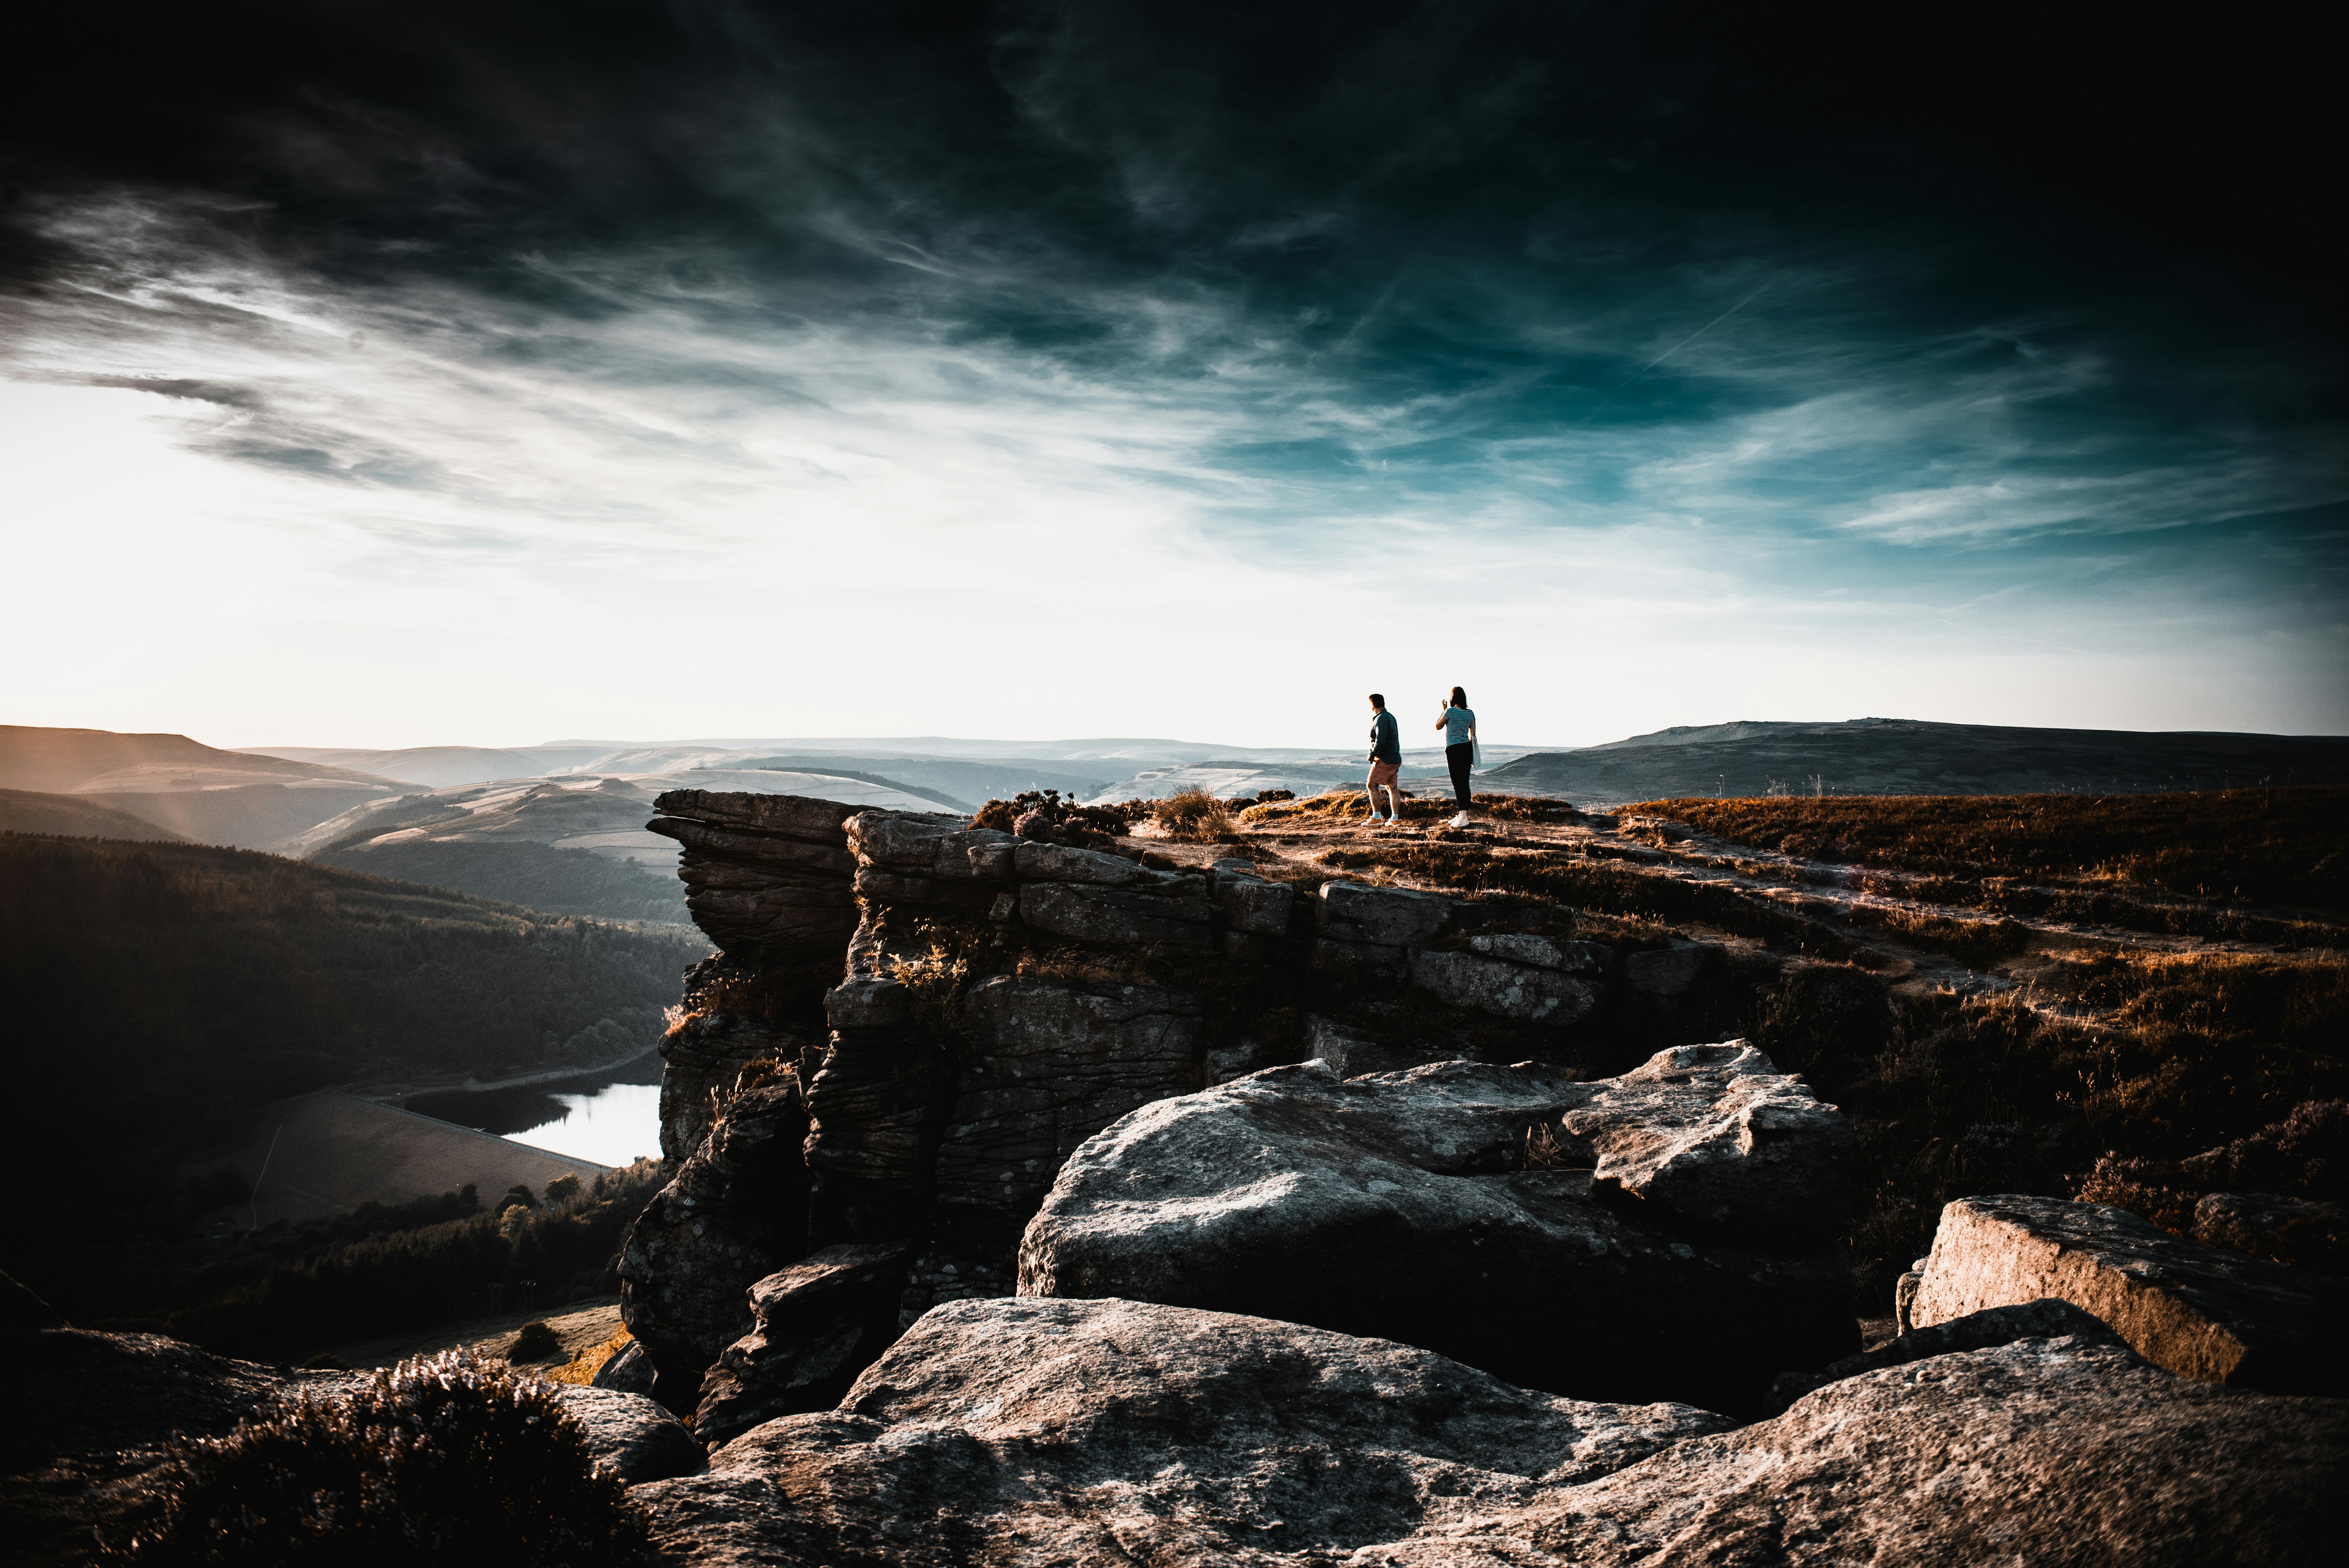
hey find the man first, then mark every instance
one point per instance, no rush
(1386, 759)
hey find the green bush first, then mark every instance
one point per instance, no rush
(446, 1461)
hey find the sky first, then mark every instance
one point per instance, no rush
(483, 373)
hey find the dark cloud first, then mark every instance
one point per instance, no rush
(1975, 269)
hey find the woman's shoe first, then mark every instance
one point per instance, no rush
(1461, 820)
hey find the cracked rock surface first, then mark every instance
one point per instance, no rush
(1118, 1433)
(1390, 1205)
(1115, 1431)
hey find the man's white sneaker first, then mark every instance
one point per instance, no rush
(1461, 820)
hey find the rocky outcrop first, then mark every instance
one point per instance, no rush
(1113, 1431)
(963, 1009)
(733, 1213)
(2201, 1313)
(817, 1325)
(1397, 1205)
(1122, 1431)
(768, 876)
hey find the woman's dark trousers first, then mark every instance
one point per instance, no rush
(1457, 758)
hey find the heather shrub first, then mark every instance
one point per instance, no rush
(445, 1460)
(1052, 818)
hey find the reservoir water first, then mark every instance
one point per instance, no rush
(610, 1116)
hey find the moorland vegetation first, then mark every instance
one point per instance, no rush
(445, 1459)
(2168, 996)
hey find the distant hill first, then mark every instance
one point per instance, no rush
(79, 761)
(1915, 756)
(74, 817)
(159, 994)
(195, 791)
(440, 765)
(566, 845)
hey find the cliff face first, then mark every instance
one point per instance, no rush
(912, 1024)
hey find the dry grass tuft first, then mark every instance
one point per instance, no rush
(1193, 816)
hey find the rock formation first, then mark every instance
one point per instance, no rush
(961, 1010)
(1693, 1231)
(2198, 1311)
(1113, 1431)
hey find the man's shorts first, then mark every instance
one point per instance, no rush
(1385, 773)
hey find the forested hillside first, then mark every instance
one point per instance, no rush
(557, 882)
(159, 995)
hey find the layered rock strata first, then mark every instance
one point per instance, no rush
(1115, 1431)
(1685, 1246)
(767, 876)
(2199, 1311)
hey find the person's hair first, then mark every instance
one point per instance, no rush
(1377, 701)
(1459, 697)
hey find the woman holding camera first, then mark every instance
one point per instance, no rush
(1458, 723)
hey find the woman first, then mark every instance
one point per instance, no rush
(1459, 726)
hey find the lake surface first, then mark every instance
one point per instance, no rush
(611, 1118)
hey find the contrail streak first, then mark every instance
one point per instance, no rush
(1699, 332)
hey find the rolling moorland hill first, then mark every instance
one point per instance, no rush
(165, 993)
(194, 790)
(75, 817)
(1913, 757)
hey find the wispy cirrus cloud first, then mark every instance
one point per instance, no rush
(1041, 352)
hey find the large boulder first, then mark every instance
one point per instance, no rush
(734, 1212)
(2199, 1311)
(1716, 1134)
(816, 1325)
(2067, 1450)
(631, 1436)
(1395, 1205)
(1117, 1432)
